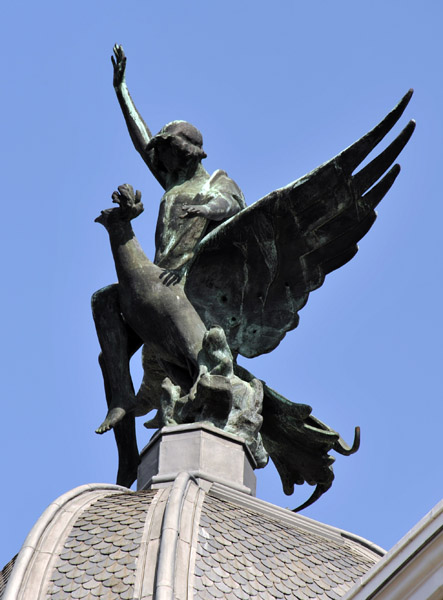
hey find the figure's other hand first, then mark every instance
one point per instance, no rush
(194, 210)
(119, 64)
(171, 276)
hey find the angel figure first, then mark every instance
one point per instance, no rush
(246, 269)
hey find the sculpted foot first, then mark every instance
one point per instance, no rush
(114, 416)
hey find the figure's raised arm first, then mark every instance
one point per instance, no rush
(138, 130)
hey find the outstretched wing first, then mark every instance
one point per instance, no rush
(253, 273)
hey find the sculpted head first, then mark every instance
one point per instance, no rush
(177, 146)
(185, 136)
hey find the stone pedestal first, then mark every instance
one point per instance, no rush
(207, 453)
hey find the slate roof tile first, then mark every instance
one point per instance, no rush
(222, 587)
(221, 571)
(257, 586)
(79, 593)
(78, 560)
(258, 572)
(286, 591)
(91, 584)
(199, 585)
(332, 595)
(58, 595)
(92, 570)
(206, 581)
(213, 576)
(240, 594)
(128, 579)
(294, 583)
(304, 594)
(70, 587)
(275, 593)
(265, 581)
(75, 574)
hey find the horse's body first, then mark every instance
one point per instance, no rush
(160, 315)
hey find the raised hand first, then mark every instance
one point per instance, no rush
(119, 64)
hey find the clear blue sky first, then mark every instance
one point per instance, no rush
(275, 92)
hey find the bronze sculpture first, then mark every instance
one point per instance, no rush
(248, 270)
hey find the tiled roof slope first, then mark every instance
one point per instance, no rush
(100, 553)
(181, 542)
(244, 555)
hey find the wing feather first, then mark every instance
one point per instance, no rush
(252, 274)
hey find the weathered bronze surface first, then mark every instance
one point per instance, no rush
(226, 280)
(218, 396)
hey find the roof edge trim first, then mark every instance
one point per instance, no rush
(415, 541)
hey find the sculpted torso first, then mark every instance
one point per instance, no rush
(175, 236)
(189, 211)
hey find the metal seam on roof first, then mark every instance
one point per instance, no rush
(164, 585)
(194, 542)
(144, 558)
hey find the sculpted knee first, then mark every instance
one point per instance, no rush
(104, 299)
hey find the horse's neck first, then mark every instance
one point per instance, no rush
(126, 250)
